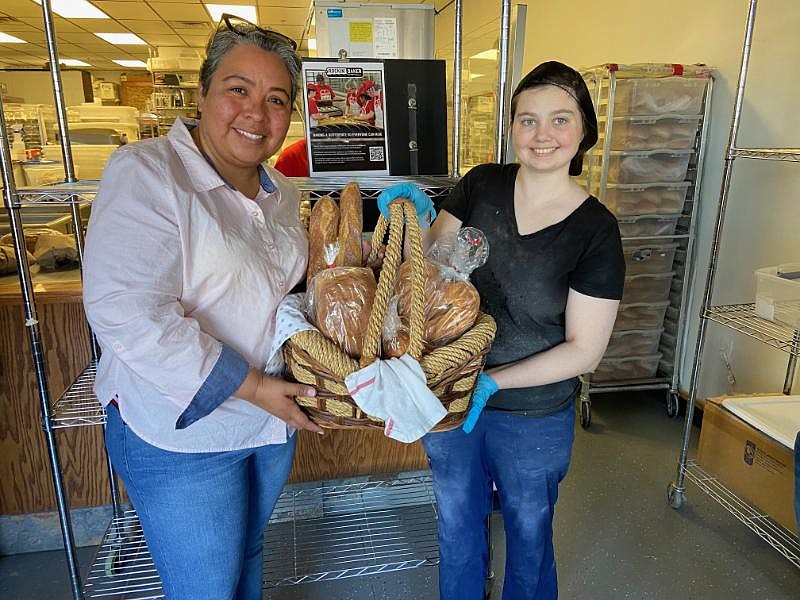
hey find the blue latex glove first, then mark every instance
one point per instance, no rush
(420, 199)
(484, 388)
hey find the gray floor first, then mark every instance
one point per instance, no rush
(616, 537)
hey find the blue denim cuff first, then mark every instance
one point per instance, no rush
(224, 379)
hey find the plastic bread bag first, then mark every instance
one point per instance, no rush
(395, 334)
(8, 260)
(31, 235)
(470, 251)
(55, 250)
(451, 302)
(339, 302)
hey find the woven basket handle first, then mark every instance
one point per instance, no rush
(388, 276)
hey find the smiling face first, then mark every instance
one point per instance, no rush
(245, 110)
(547, 128)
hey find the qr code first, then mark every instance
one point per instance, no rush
(376, 153)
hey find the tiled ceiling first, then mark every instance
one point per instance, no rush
(179, 23)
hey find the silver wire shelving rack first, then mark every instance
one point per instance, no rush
(316, 533)
(777, 536)
(743, 319)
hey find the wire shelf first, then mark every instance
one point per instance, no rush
(742, 318)
(78, 406)
(316, 533)
(366, 528)
(784, 154)
(777, 536)
(81, 192)
(122, 566)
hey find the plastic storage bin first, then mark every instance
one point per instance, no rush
(647, 199)
(630, 367)
(667, 347)
(648, 166)
(641, 315)
(646, 288)
(778, 294)
(637, 342)
(647, 225)
(675, 132)
(665, 95)
(655, 258)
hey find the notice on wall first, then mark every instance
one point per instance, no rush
(385, 37)
(345, 118)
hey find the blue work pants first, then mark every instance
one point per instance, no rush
(525, 457)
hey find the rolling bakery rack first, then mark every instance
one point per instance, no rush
(646, 168)
(743, 319)
(318, 531)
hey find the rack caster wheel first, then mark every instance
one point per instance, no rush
(675, 497)
(586, 414)
(673, 405)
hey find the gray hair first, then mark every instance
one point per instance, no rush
(224, 40)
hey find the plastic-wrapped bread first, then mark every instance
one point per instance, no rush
(395, 335)
(31, 237)
(8, 260)
(351, 222)
(340, 301)
(55, 250)
(323, 229)
(451, 302)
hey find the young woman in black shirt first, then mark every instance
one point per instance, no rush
(552, 282)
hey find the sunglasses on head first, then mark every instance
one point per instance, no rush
(243, 27)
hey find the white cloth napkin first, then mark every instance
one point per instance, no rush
(289, 319)
(396, 391)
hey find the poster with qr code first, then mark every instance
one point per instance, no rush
(345, 115)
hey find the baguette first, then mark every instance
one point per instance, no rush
(323, 228)
(351, 222)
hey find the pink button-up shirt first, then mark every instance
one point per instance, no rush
(177, 266)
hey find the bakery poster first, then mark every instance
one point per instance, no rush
(345, 116)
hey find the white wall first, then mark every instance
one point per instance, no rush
(763, 218)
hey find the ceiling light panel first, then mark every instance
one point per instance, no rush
(73, 62)
(245, 12)
(75, 9)
(5, 38)
(122, 39)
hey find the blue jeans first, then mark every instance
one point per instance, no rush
(203, 514)
(526, 458)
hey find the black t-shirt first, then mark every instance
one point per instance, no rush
(525, 281)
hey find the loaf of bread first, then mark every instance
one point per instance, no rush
(340, 302)
(351, 222)
(31, 237)
(451, 302)
(323, 229)
(396, 345)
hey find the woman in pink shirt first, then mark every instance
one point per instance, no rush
(192, 243)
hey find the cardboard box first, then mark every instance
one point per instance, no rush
(749, 462)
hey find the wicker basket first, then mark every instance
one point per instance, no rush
(451, 370)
